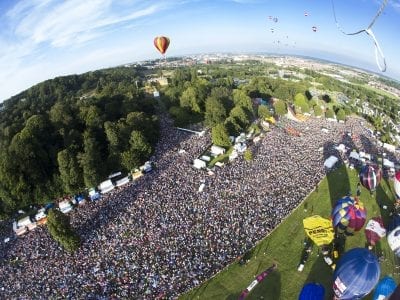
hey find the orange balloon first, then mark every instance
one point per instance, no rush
(161, 43)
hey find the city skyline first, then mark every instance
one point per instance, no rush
(40, 40)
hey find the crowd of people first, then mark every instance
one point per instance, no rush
(158, 236)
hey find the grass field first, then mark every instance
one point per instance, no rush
(285, 245)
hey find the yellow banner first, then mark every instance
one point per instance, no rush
(319, 230)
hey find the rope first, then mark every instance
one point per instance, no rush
(379, 56)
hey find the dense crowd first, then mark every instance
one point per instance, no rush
(158, 236)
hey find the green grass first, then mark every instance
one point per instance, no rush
(285, 245)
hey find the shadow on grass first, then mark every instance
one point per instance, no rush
(321, 273)
(385, 204)
(268, 289)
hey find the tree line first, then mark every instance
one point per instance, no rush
(67, 134)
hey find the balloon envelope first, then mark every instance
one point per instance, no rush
(161, 43)
(348, 215)
(356, 274)
(394, 240)
(375, 230)
(312, 291)
(370, 176)
(385, 288)
(319, 230)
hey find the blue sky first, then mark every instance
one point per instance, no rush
(42, 39)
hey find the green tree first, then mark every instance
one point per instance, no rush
(329, 113)
(220, 136)
(280, 108)
(317, 110)
(215, 112)
(241, 99)
(263, 112)
(189, 100)
(300, 103)
(248, 155)
(138, 152)
(90, 160)
(60, 229)
(341, 115)
(241, 117)
(70, 171)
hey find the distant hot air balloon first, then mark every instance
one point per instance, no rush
(275, 19)
(312, 291)
(397, 184)
(314, 28)
(385, 288)
(370, 176)
(348, 215)
(272, 30)
(319, 230)
(161, 43)
(356, 274)
(305, 14)
(375, 230)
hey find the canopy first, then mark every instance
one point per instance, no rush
(354, 155)
(387, 163)
(331, 161)
(356, 274)
(312, 291)
(106, 186)
(375, 230)
(319, 230)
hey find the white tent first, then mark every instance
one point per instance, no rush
(387, 163)
(341, 148)
(199, 164)
(122, 181)
(331, 161)
(65, 206)
(354, 155)
(201, 187)
(217, 150)
(106, 186)
(389, 147)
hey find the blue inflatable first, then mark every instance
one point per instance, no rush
(356, 274)
(385, 288)
(312, 291)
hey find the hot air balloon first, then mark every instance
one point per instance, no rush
(385, 288)
(272, 30)
(275, 19)
(314, 28)
(356, 274)
(397, 184)
(370, 176)
(161, 43)
(394, 238)
(375, 230)
(348, 215)
(312, 291)
(305, 14)
(319, 230)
